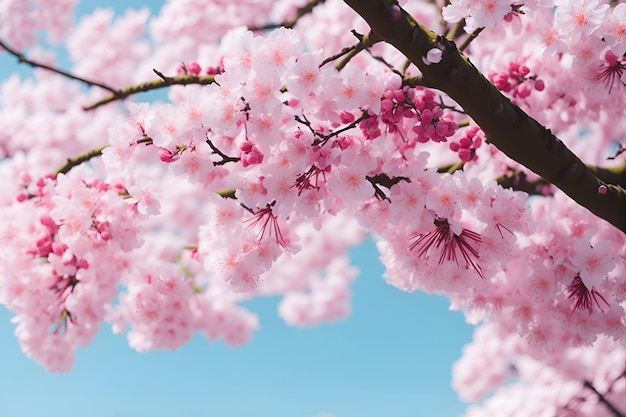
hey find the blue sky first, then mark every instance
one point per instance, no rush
(391, 357)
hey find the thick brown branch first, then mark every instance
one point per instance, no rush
(506, 126)
(162, 82)
(614, 175)
(518, 181)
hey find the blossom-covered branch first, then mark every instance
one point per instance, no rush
(507, 126)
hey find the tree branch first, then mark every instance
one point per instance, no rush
(614, 175)
(506, 125)
(365, 41)
(603, 400)
(302, 11)
(162, 82)
(120, 94)
(79, 159)
(463, 46)
(22, 58)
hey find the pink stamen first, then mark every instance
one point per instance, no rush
(269, 224)
(583, 297)
(449, 245)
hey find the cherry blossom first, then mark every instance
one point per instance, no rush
(484, 159)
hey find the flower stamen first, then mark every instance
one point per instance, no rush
(449, 245)
(583, 297)
(269, 224)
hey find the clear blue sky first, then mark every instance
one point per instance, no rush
(391, 357)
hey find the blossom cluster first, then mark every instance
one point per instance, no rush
(257, 183)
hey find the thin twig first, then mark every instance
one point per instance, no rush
(323, 139)
(385, 63)
(302, 11)
(365, 41)
(603, 400)
(620, 150)
(22, 58)
(225, 158)
(466, 42)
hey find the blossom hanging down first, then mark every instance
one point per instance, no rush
(444, 244)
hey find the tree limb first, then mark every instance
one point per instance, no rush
(162, 82)
(506, 126)
(79, 159)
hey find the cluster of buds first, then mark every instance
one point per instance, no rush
(193, 68)
(467, 144)
(517, 80)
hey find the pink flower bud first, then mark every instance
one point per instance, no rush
(388, 94)
(465, 142)
(522, 91)
(523, 70)
(386, 104)
(21, 196)
(539, 85)
(245, 147)
(194, 68)
(465, 154)
(166, 155)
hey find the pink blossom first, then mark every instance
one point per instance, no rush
(579, 17)
(592, 262)
(615, 29)
(165, 219)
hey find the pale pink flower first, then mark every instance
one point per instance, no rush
(614, 29)
(146, 201)
(593, 263)
(304, 78)
(578, 18)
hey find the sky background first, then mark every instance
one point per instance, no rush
(392, 356)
